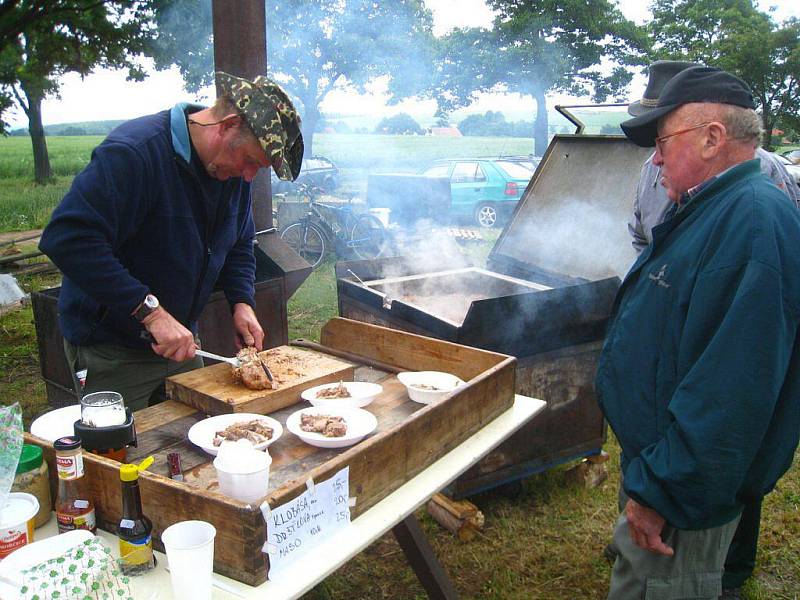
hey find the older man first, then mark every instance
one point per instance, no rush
(158, 219)
(651, 207)
(700, 373)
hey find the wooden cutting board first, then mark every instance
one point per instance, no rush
(213, 391)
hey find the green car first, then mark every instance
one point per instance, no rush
(483, 190)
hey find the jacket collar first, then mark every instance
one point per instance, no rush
(180, 130)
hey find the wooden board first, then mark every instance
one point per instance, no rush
(213, 391)
(408, 439)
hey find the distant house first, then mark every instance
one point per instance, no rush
(446, 131)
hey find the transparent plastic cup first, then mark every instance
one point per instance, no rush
(242, 471)
(190, 554)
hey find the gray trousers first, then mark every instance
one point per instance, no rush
(136, 374)
(694, 572)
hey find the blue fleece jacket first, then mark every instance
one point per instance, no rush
(700, 373)
(143, 218)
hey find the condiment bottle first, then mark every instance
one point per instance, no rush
(74, 509)
(32, 478)
(135, 541)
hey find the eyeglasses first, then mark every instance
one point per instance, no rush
(660, 140)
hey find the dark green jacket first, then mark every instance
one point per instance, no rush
(700, 373)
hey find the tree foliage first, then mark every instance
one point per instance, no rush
(313, 47)
(399, 124)
(44, 40)
(735, 36)
(493, 123)
(536, 47)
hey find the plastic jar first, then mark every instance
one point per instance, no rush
(16, 522)
(32, 478)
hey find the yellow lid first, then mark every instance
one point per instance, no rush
(128, 472)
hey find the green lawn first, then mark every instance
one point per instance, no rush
(544, 543)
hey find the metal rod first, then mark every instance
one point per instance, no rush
(356, 358)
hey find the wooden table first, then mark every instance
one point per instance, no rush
(395, 512)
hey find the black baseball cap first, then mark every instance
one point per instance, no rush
(697, 84)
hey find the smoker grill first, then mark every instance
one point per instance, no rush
(543, 302)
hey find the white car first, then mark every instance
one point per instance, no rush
(794, 170)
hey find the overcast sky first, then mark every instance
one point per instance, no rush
(106, 94)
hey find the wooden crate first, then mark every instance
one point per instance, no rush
(409, 437)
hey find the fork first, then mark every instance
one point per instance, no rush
(232, 361)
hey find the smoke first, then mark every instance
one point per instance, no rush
(575, 238)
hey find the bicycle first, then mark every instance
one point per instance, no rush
(312, 235)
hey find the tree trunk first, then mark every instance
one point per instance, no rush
(41, 160)
(310, 120)
(540, 126)
(766, 124)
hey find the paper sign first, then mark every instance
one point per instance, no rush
(300, 524)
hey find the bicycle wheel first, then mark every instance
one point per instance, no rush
(307, 240)
(368, 237)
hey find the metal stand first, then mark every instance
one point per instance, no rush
(423, 561)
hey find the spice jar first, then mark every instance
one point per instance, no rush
(31, 478)
(74, 508)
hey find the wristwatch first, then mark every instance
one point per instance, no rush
(148, 305)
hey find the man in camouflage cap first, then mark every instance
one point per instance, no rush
(272, 118)
(160, 218)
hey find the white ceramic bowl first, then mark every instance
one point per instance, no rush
(361, 394)
(360, 424)
(57, 423)
(414, 380)
(202, 433)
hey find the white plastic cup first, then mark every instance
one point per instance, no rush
(242, 471)
(190, 554)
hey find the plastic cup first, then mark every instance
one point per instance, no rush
(190, 554)
(242, 471)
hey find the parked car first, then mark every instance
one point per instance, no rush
(793, 155)
(484, 190)
(792, 168)
(316, 171)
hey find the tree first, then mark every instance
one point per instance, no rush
(735, 36)
(313, 46)
(535, 47)
(399, 124)
(51, 39)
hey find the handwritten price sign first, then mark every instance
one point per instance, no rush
(298, 525)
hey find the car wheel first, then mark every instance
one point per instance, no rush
(486, 215)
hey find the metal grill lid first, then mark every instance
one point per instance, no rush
(572, 218)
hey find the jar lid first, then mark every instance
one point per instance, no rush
(69, 442)
(30, 459)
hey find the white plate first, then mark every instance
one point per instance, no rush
(361, 394)
(360, 424)
(33, 554)
(202, 433)
(446, 382)
(56, 423)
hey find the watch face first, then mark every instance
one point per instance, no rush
(151, 301)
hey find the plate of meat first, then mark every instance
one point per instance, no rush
(345, 394)
(331, 427)
(260, 430)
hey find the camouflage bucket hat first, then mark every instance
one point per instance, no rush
(272, 117)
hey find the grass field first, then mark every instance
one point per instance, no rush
(544, 542)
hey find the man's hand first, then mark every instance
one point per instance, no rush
(248, 330)
(645, 526)
(172, 340)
